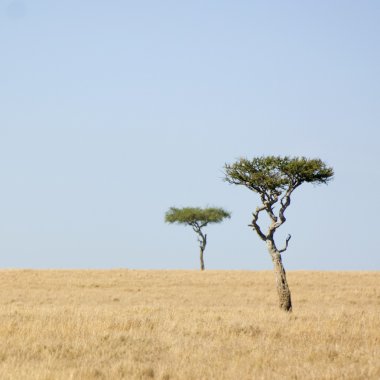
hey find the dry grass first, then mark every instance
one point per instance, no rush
(187, 325)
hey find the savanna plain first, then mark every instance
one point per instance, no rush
(135, 324)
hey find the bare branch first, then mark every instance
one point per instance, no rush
(269, 201)
(202, 238)
(254, 224)
(285, 202)
(286, 244)
(195, 226)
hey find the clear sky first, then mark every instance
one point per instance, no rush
(113, 111)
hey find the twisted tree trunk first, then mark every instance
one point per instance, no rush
(202, 240)
(283, 290)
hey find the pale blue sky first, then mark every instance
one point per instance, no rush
(113, 111)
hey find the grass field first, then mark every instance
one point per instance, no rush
(129, 324)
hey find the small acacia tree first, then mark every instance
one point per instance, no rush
(197, 218)
(275, 179)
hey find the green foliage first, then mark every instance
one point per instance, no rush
(196, 215)
(273, 174)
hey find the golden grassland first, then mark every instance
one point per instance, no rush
(132, 324)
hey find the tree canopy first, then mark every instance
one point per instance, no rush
(191, 215)
(272, 175)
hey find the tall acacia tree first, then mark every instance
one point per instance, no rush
(197, 218)
(274, 179)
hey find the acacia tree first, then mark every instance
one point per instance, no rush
(197, 218)
(274, 179)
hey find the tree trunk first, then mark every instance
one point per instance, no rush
(202, 261)
(282, 284)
